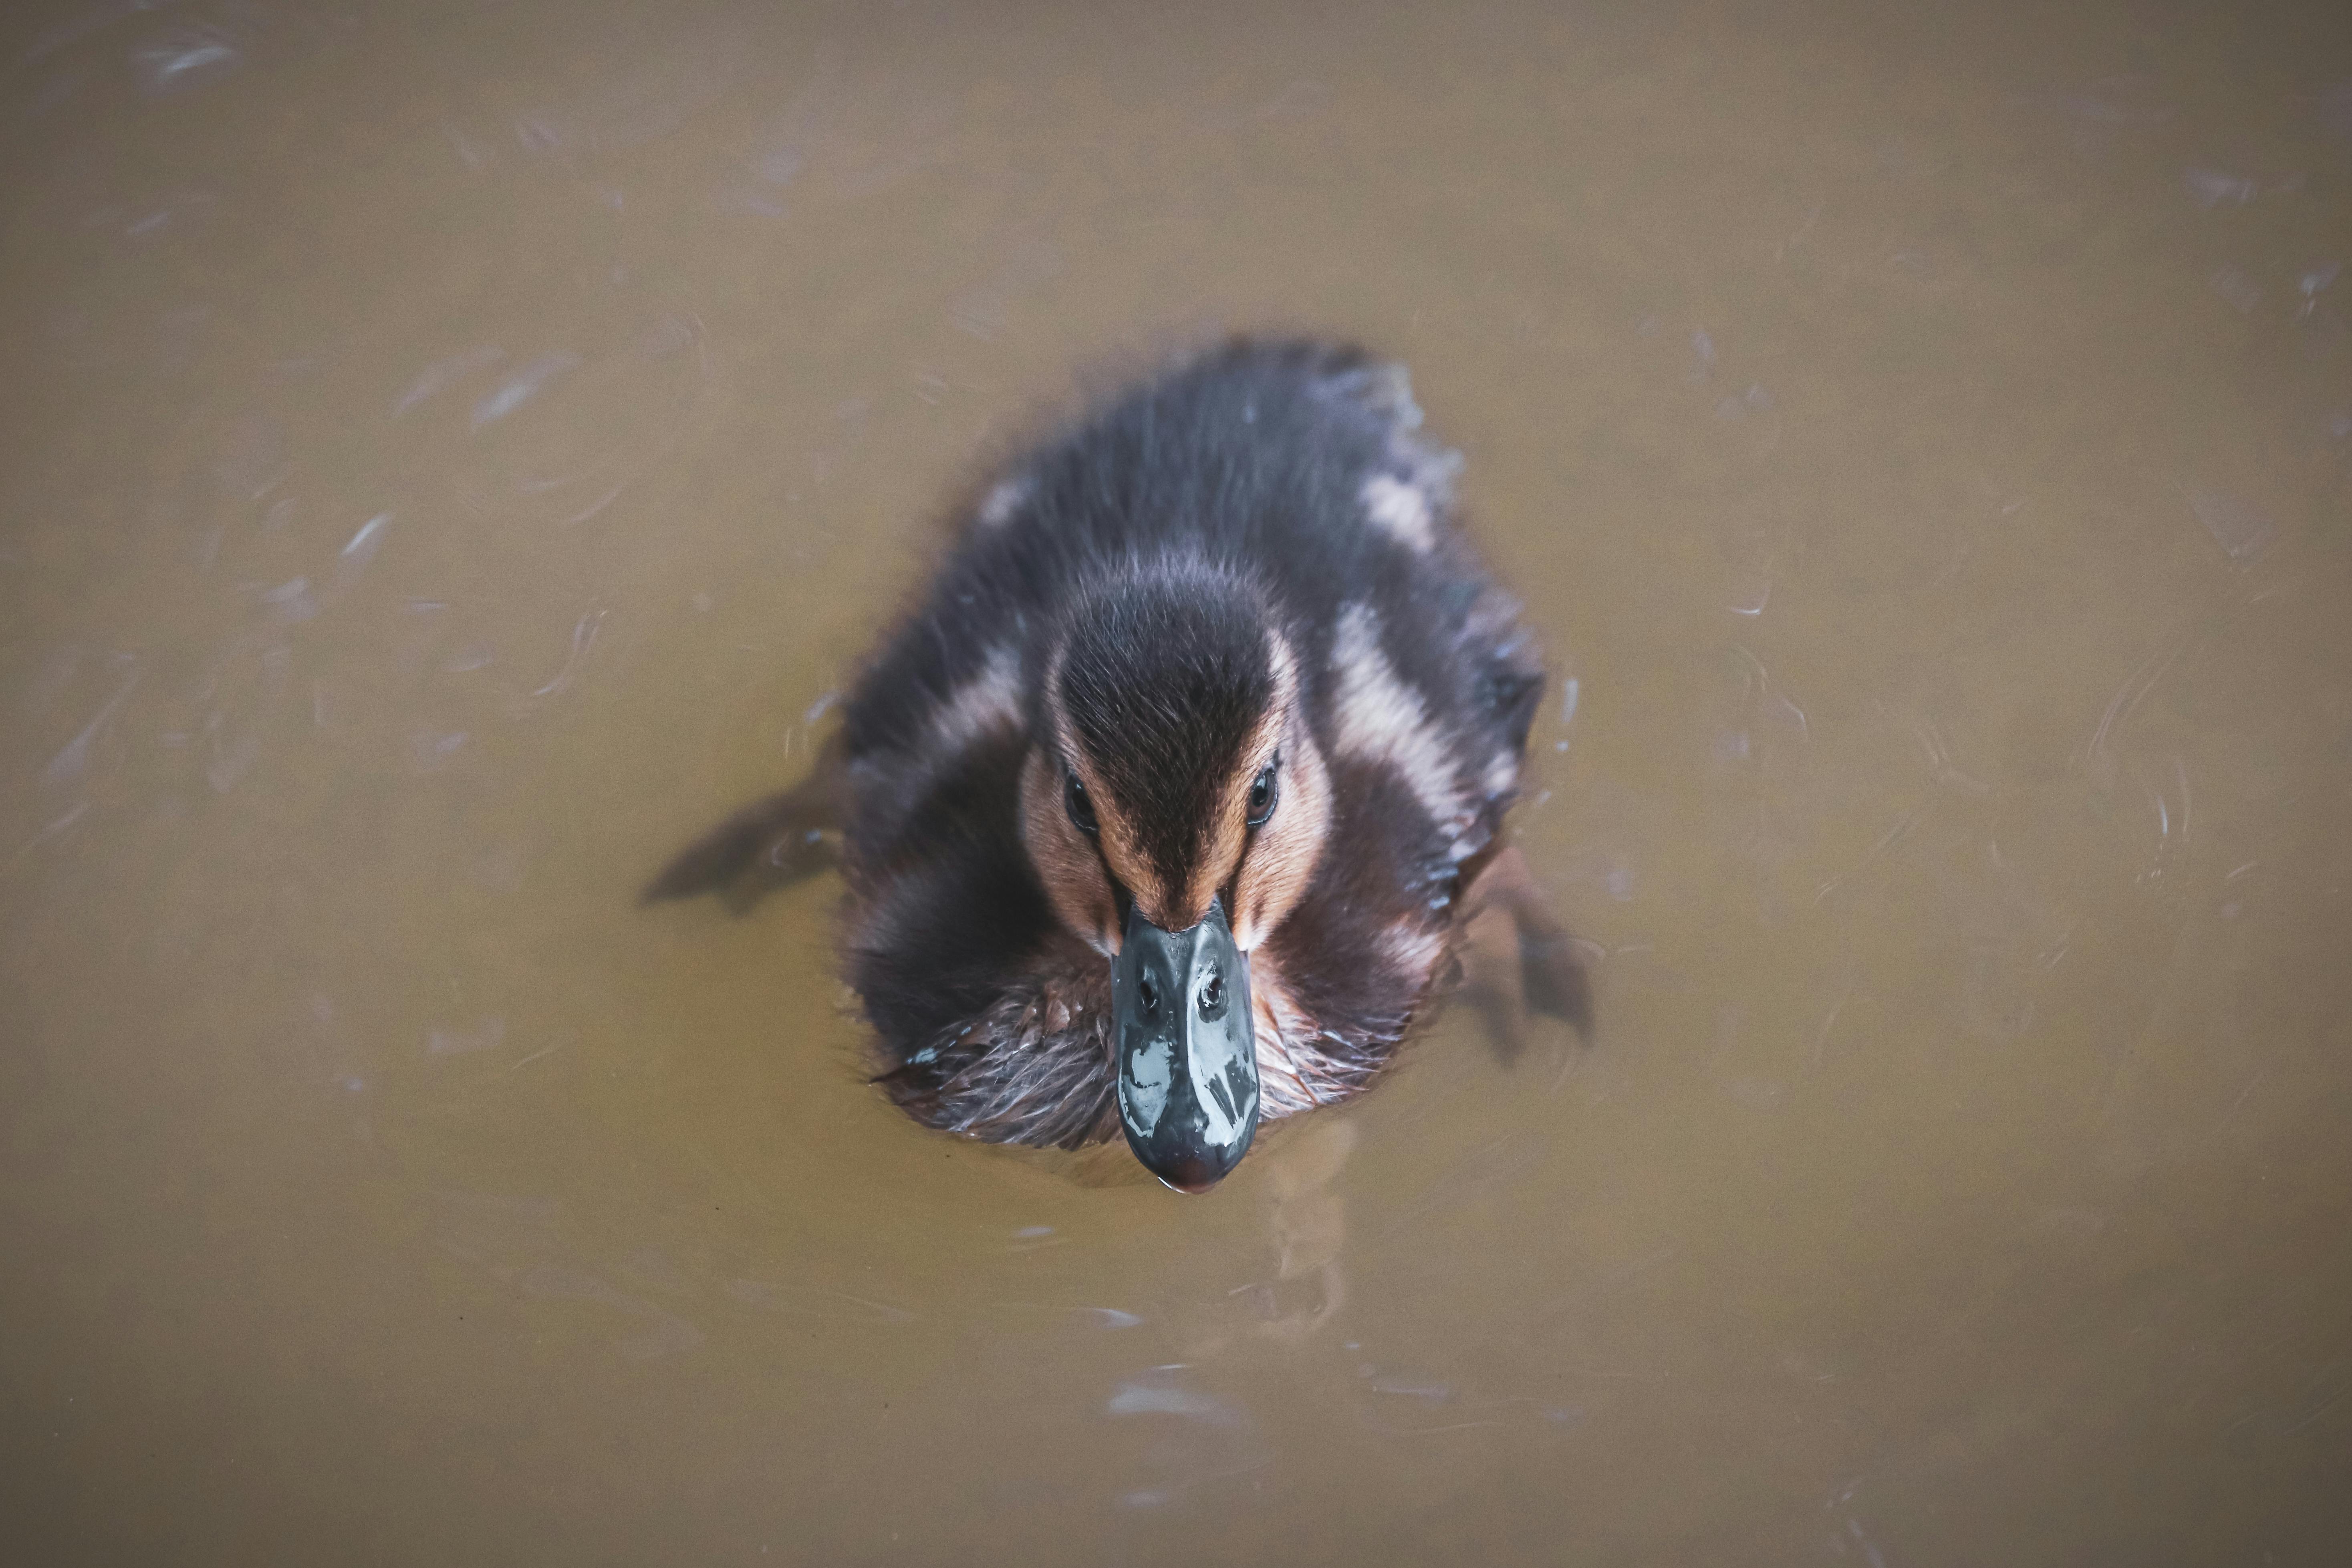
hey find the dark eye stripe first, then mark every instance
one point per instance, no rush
(1262, 796)
(1075, 801)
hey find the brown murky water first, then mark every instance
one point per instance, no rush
(452, 458)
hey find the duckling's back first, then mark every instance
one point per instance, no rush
(1299, 462)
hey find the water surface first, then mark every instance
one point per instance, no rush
(454, 457)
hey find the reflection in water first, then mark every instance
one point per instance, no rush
(454, 459)
(1307, 1225)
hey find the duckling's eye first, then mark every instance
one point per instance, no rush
(1073, 798)
(1261, 796)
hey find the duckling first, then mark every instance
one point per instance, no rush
(1165, 809)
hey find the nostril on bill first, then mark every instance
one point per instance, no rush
(1147, 993)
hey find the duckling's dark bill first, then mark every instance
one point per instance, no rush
(1187, 1090)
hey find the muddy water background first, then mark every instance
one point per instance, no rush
(452, 456)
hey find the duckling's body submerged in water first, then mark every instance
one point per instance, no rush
(1160, 810)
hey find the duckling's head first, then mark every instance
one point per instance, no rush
(1175, 804)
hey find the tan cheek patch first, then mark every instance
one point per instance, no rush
(1066, 860)
(1282, 861)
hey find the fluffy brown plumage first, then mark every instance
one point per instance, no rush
(1220, 641)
